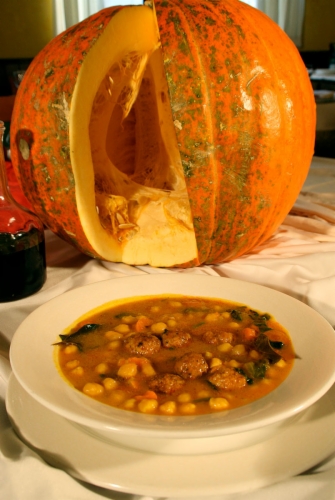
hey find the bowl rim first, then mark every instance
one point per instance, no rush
(39, 376)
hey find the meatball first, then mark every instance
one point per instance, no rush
(143, 344)
(227, 378)
(175, 339)
(217, 337)
(191, 365)
(166, 383)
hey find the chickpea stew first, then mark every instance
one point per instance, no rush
(178, 355)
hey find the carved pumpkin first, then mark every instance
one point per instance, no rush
(175, 144)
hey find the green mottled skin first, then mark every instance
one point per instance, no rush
(46, 176)
(231, 73)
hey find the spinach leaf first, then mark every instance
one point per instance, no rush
(201, 400)
(212, 386)
(199, 324)
(90, 327)
(249, 380)
(276, 344)
(256, 370)
(262, 344)
(260, 320)
(75, 337)
(236, 315)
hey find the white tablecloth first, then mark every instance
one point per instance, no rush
(298, 260)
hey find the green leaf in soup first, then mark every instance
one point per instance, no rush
(262, 344)
(84, 330)
(256, 370)
(236, 315)
(76, 338)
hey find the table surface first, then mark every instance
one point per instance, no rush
(298, 260)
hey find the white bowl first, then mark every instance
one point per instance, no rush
(32, 359)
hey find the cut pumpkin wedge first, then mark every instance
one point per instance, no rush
(131, 194)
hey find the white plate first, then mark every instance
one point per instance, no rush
(295, 449)
(312, 375)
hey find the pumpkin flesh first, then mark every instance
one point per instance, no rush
(131, 195)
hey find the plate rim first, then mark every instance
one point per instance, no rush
(299, 430)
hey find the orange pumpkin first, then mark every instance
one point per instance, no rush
(170, 144)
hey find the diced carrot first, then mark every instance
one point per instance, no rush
(133, 383)
(248, 334)
(142, 323)
(146, 395)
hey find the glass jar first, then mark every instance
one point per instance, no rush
(22, 244)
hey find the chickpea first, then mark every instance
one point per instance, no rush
(184, 397)
(129, 320)
(148, 370)
(115, 344)
(79, 371)
(112, 335)
(129, 404)
(171, 323)
(147, 405)
(169, 408)
(212, 317)
(177, 315)
(218, 403)
(238, 350)
(72, 364)
(225, 347)
(122, 328)
(70, 349)
(215, 362)
(281, 363)
(127, 370)
(117, 397)
(109, 383)
(102, 368)
(155, 309)
(187, 408)
(158, 327)
(234, 325)
(203, 394)
(93, 389)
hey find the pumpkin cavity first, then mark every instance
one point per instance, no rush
(140, 195)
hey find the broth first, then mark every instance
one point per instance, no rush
(176, 355)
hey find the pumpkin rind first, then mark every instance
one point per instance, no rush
(243, 99)
(40, 129)
(244, 116)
